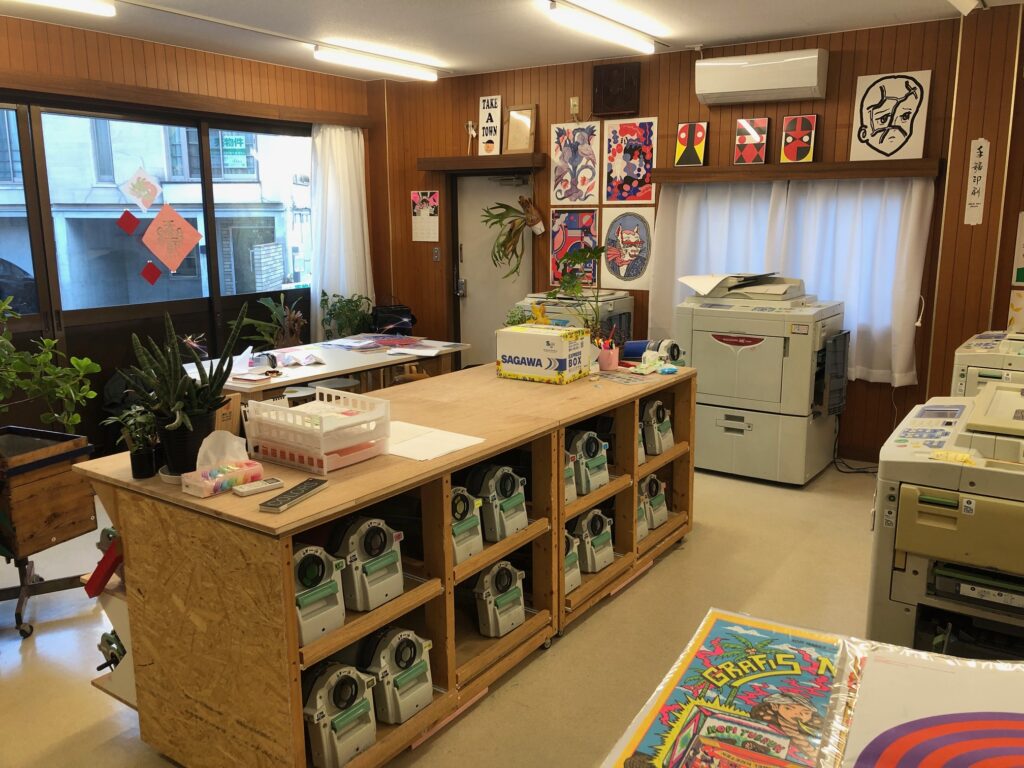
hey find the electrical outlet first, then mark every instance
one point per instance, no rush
(574, 105)
(437, 254)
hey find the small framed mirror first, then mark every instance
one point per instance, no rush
(520, 127)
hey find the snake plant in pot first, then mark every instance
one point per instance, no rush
(184, 406)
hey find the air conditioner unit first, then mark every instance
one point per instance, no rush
(783, 76)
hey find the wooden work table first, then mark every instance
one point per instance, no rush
(210, 585)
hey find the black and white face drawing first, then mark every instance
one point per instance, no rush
(887, 112)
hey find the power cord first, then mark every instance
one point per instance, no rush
(842, 466)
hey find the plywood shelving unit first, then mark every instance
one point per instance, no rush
(217, 575)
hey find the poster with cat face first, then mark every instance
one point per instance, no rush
(628, 235)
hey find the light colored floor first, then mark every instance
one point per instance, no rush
(796, 556)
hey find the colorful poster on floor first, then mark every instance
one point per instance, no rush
(572, 229)
(489, 140)
(628, 154)
(170, 238)
(425, 215)
(574, 171)
(915, 709)
(745, 692)
(628, 239)
(142, 189)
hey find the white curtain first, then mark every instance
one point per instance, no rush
(861, 242)
(341, 243)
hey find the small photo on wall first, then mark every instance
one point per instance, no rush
(691, 141)
(627, 240)
(629, 151)
(572, 229)
(798, 139)
(751, 140)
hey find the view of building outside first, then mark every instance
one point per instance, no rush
(261, 191)
(16, 270)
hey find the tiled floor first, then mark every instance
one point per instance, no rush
(797, 556)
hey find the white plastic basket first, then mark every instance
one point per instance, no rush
(334, 430)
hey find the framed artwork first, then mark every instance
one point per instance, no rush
(489, 140)
(751, 141)
(627, 238)
(691, 141)
(571, 229)
(574, 169)
(890, 113)
(798, 139)
(520, 128)
(628, 154)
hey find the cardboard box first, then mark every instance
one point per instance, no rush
(547, 353)
(229, 415)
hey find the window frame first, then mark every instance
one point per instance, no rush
(102, 151)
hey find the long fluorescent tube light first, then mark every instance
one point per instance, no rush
(359, 60)
(95, 7)
(596, 25)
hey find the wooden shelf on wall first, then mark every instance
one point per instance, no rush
(481, 164)
(865, 169)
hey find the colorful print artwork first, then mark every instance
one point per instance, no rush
(745, 693)
(627, 255)
(574, 169)
(571, 229)
(798, 139)
(630, 148)
(751, 140)
(691, 141)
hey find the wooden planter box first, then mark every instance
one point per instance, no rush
(42, 502)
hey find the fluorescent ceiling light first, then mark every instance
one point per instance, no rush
(360, 60)
(590, 23)
(95, 7)
(387, 51)
(623, 9)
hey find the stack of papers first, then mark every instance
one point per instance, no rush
(412, 441)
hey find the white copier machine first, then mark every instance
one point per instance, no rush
(947, 568)
(771, 374)
(987, 357)
(615, 309)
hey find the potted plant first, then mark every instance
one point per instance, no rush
(345, 315)
(518, 316)
(570, 285)
(507, 250)
(284, 329)
(184, 407)
(43, 374)
(138, 433)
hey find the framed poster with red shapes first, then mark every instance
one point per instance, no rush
(751, 141)
(629, 151)
(798, 139)
(691, 143)
(571, 229)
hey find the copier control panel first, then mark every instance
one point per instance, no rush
(931, 427)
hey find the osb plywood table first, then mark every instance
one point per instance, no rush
(210, 583)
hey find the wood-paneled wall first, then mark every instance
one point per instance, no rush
(47, 58)
(427, 120)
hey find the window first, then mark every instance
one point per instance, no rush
(16, 268)
(232, 155)
(10, 151)
(98, 264)
(263, 231)
(858, 241)
(102, 154)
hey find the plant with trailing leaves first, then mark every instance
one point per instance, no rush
(284, 329)
(138, 428)
(570, 284)
(165, 388)
(345, 315)
(44, 373)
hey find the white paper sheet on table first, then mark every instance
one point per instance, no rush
(411, 441)
(419, 351)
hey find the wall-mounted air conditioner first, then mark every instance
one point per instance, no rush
(783, 76)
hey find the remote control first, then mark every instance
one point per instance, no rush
(259, 486)
(293, 496)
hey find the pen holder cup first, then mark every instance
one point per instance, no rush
(608, 359)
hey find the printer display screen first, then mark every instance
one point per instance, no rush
(940, 412)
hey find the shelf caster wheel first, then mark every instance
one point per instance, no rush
(25, 630)
(547, 644)
(560, 633)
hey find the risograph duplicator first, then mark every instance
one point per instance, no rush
(771, 374)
